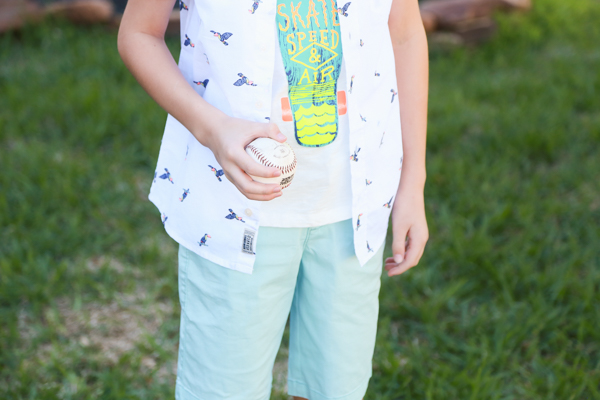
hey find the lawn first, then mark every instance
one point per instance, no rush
(505, 303)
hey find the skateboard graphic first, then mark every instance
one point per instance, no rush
(309, 41)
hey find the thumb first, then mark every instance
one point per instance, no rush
(399, 245)
(273, 132)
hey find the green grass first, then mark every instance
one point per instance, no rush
(505, 303)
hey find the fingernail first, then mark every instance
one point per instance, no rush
(280, 136)
(277, 189)
(398, 258)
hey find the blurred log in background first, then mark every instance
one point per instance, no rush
(459, 21)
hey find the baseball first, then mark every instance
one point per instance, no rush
(271, 153)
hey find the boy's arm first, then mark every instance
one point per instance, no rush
(143, 50)
(409, 225)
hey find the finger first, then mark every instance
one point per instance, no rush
(251, 167)
(402, 267)
(274, 132)
(247, 186)
(411, 259)
(399, 270)
(261, 197)
(264, 197)
(244, 183)
(399, 256)
(400, 243)
(390, 260)
(250, 187)
(390, 263)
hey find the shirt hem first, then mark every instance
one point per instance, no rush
(314, 221)
(247, 269)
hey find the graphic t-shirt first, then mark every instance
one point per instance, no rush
(310, 111)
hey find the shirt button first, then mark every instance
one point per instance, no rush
(248, 212)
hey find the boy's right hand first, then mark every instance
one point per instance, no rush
(228, 139)
(141, 38)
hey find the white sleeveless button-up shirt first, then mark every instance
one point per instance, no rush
(227, 55)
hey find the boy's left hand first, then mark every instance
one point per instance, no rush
(410, 232)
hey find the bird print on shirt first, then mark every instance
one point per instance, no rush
(167, 175)
(154, 180)
(164, 218)
(389, 203)
(188, 41)
(201, 83)
(362, 43)
(254, 6)
(368, 182)
(218, 172)
(183, 6)
(358, 221)
(394, 93)
(185, 194)
(351, 84)
(380, 143)
(344, 9)
(354, 157)
(362, 118)
(222, 37)
(243, 81)
(233, 215)
(377, 73)
(369, 249)
(202, 241)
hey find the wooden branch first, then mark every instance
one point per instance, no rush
(83, 11)
(471, 20)
(14, 13)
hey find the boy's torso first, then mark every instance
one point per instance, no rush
(228, 56)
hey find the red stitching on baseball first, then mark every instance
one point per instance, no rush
(265, 161)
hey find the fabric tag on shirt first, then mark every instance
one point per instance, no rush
(248, 243)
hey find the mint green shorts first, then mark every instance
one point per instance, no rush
(232, 323)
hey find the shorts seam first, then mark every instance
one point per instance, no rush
(327, 397)
(306, 239)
